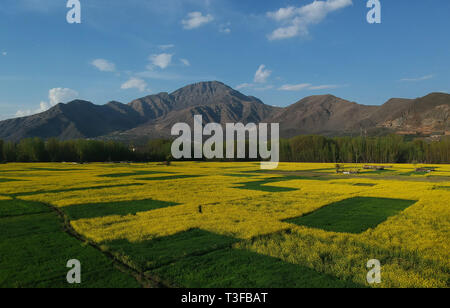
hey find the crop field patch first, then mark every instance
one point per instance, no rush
(411, 173)
(165, 250)
(236, 268)
(354, 215)
(16, 207)
(261, 186)
(93, 210)
(34, 251)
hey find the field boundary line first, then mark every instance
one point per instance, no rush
(144, 280)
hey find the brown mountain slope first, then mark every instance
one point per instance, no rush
(234, 112)
(322, 114)
(149, 116)
(329, 115)
(153, 106)
(153, 116)
(77, 119)
(215, 101)
(198, 94)
(425, 115)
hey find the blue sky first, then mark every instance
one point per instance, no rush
(278, 51)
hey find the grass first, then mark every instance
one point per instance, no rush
(165, 250)
(34, 252)
(261, 186)
(354, 215)
(94, 210)
(236, 268)
(414, 173)
(18, 207)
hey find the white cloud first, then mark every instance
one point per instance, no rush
(427, 77)
(166, 47)
(295, 87)
(23, 113)
(308, 86)
(162, 60)
(296, 20)
(195, 20)
(4, 53)
(324, 87)
(55, 96)
(135, 83)
(61, 95)
(104, 65)
(43, 106)
(283, 13)
(262, 74)
(185, 62)
(244, 85)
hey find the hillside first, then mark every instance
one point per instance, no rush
(154, 115)
(322, 114)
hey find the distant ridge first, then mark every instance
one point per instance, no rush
(153, 116)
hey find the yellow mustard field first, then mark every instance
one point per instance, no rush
(241, 201)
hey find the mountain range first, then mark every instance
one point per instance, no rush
(154, 115)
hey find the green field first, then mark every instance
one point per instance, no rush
(220, 225)
(34, 250)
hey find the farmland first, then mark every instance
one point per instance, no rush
(197, 224)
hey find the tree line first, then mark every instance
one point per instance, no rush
(82, 151)
(387, 149)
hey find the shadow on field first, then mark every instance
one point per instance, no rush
(124, 208)
(354, 215)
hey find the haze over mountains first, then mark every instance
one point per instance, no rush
(153, 116)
